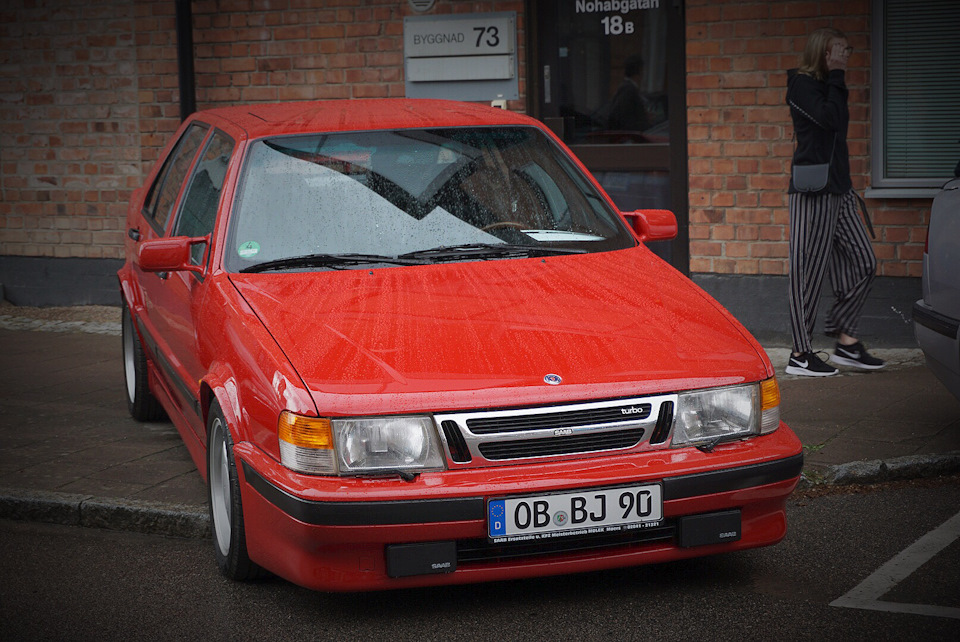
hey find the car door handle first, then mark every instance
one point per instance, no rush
(134, 233)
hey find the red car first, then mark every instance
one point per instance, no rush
(414, 342)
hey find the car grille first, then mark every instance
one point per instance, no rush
(497, 437)
(561, 445)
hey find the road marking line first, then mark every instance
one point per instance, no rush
(867, 594)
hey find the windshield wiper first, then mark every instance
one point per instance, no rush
(336, 261)
(483, 251)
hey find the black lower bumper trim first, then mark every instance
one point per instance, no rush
(418, 511)
(432, 511)
(939, 323)
(720, 481)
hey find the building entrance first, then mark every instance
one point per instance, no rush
(608, 78)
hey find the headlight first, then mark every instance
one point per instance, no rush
(722, 414)
(387, 443)
(361, 446)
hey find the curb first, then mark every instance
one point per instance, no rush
(155, 518)
(882, 470)
(192, 521)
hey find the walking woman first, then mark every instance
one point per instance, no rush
(826, 233)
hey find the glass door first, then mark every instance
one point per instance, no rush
(611, 85)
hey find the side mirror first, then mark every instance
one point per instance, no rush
(169, 254)
(653, 225)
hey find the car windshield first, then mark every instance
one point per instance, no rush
(340, 201)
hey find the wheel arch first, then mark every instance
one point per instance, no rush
(220, 386)
(129, 292)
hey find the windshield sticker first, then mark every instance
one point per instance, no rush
(446, 155)
(248, 250)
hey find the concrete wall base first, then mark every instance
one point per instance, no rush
(762, 305)
(46, 281)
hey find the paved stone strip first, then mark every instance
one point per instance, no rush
(8, 322)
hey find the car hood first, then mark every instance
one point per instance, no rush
(485, 334)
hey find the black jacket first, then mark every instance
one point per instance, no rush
(826, 103)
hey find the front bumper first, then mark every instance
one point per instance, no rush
(434, 530)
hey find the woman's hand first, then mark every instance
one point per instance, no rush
(838, 53)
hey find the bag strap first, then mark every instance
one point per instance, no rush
(866, 215)
(803, 113)
(815, 122)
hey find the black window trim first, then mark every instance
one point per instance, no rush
(175, 219)
(164, 174)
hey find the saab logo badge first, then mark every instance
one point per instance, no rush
(553, 380)
(562, 432)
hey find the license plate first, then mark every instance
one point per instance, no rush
(582, 512)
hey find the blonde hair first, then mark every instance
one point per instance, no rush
(814, 59)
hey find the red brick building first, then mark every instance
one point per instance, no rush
(90, 93)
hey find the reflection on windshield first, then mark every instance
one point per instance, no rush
(392, 193)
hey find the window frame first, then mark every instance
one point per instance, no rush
(881, 185)
(178, 214)
(152, 200)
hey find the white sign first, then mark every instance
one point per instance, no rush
(476, 35)
(469, 57)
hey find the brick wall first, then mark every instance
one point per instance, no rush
(89, 93)
(249, 51)
(89, 96)
(70, 140)
(740, 134)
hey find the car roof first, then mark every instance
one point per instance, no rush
(271, 119)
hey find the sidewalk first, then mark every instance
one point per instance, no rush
(71, 454)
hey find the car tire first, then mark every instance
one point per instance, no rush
(226, 508)
(141, 403)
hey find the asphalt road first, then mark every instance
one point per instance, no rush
(72, 583)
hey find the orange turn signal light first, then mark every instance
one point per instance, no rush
(305, 432)
(769, 394)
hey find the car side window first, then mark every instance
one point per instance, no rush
(199, 211)
(165, 189)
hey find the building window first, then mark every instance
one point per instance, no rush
(916, 90)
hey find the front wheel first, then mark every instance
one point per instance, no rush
(226, 510)
(141, 403)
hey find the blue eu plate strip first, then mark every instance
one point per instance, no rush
(497, 525)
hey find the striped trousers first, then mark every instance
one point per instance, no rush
(826, 233)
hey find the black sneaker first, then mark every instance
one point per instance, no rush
(809, 364)
(857, 356)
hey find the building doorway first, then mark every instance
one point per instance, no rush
(612, 85)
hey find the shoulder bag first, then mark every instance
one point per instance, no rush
(812, 178)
